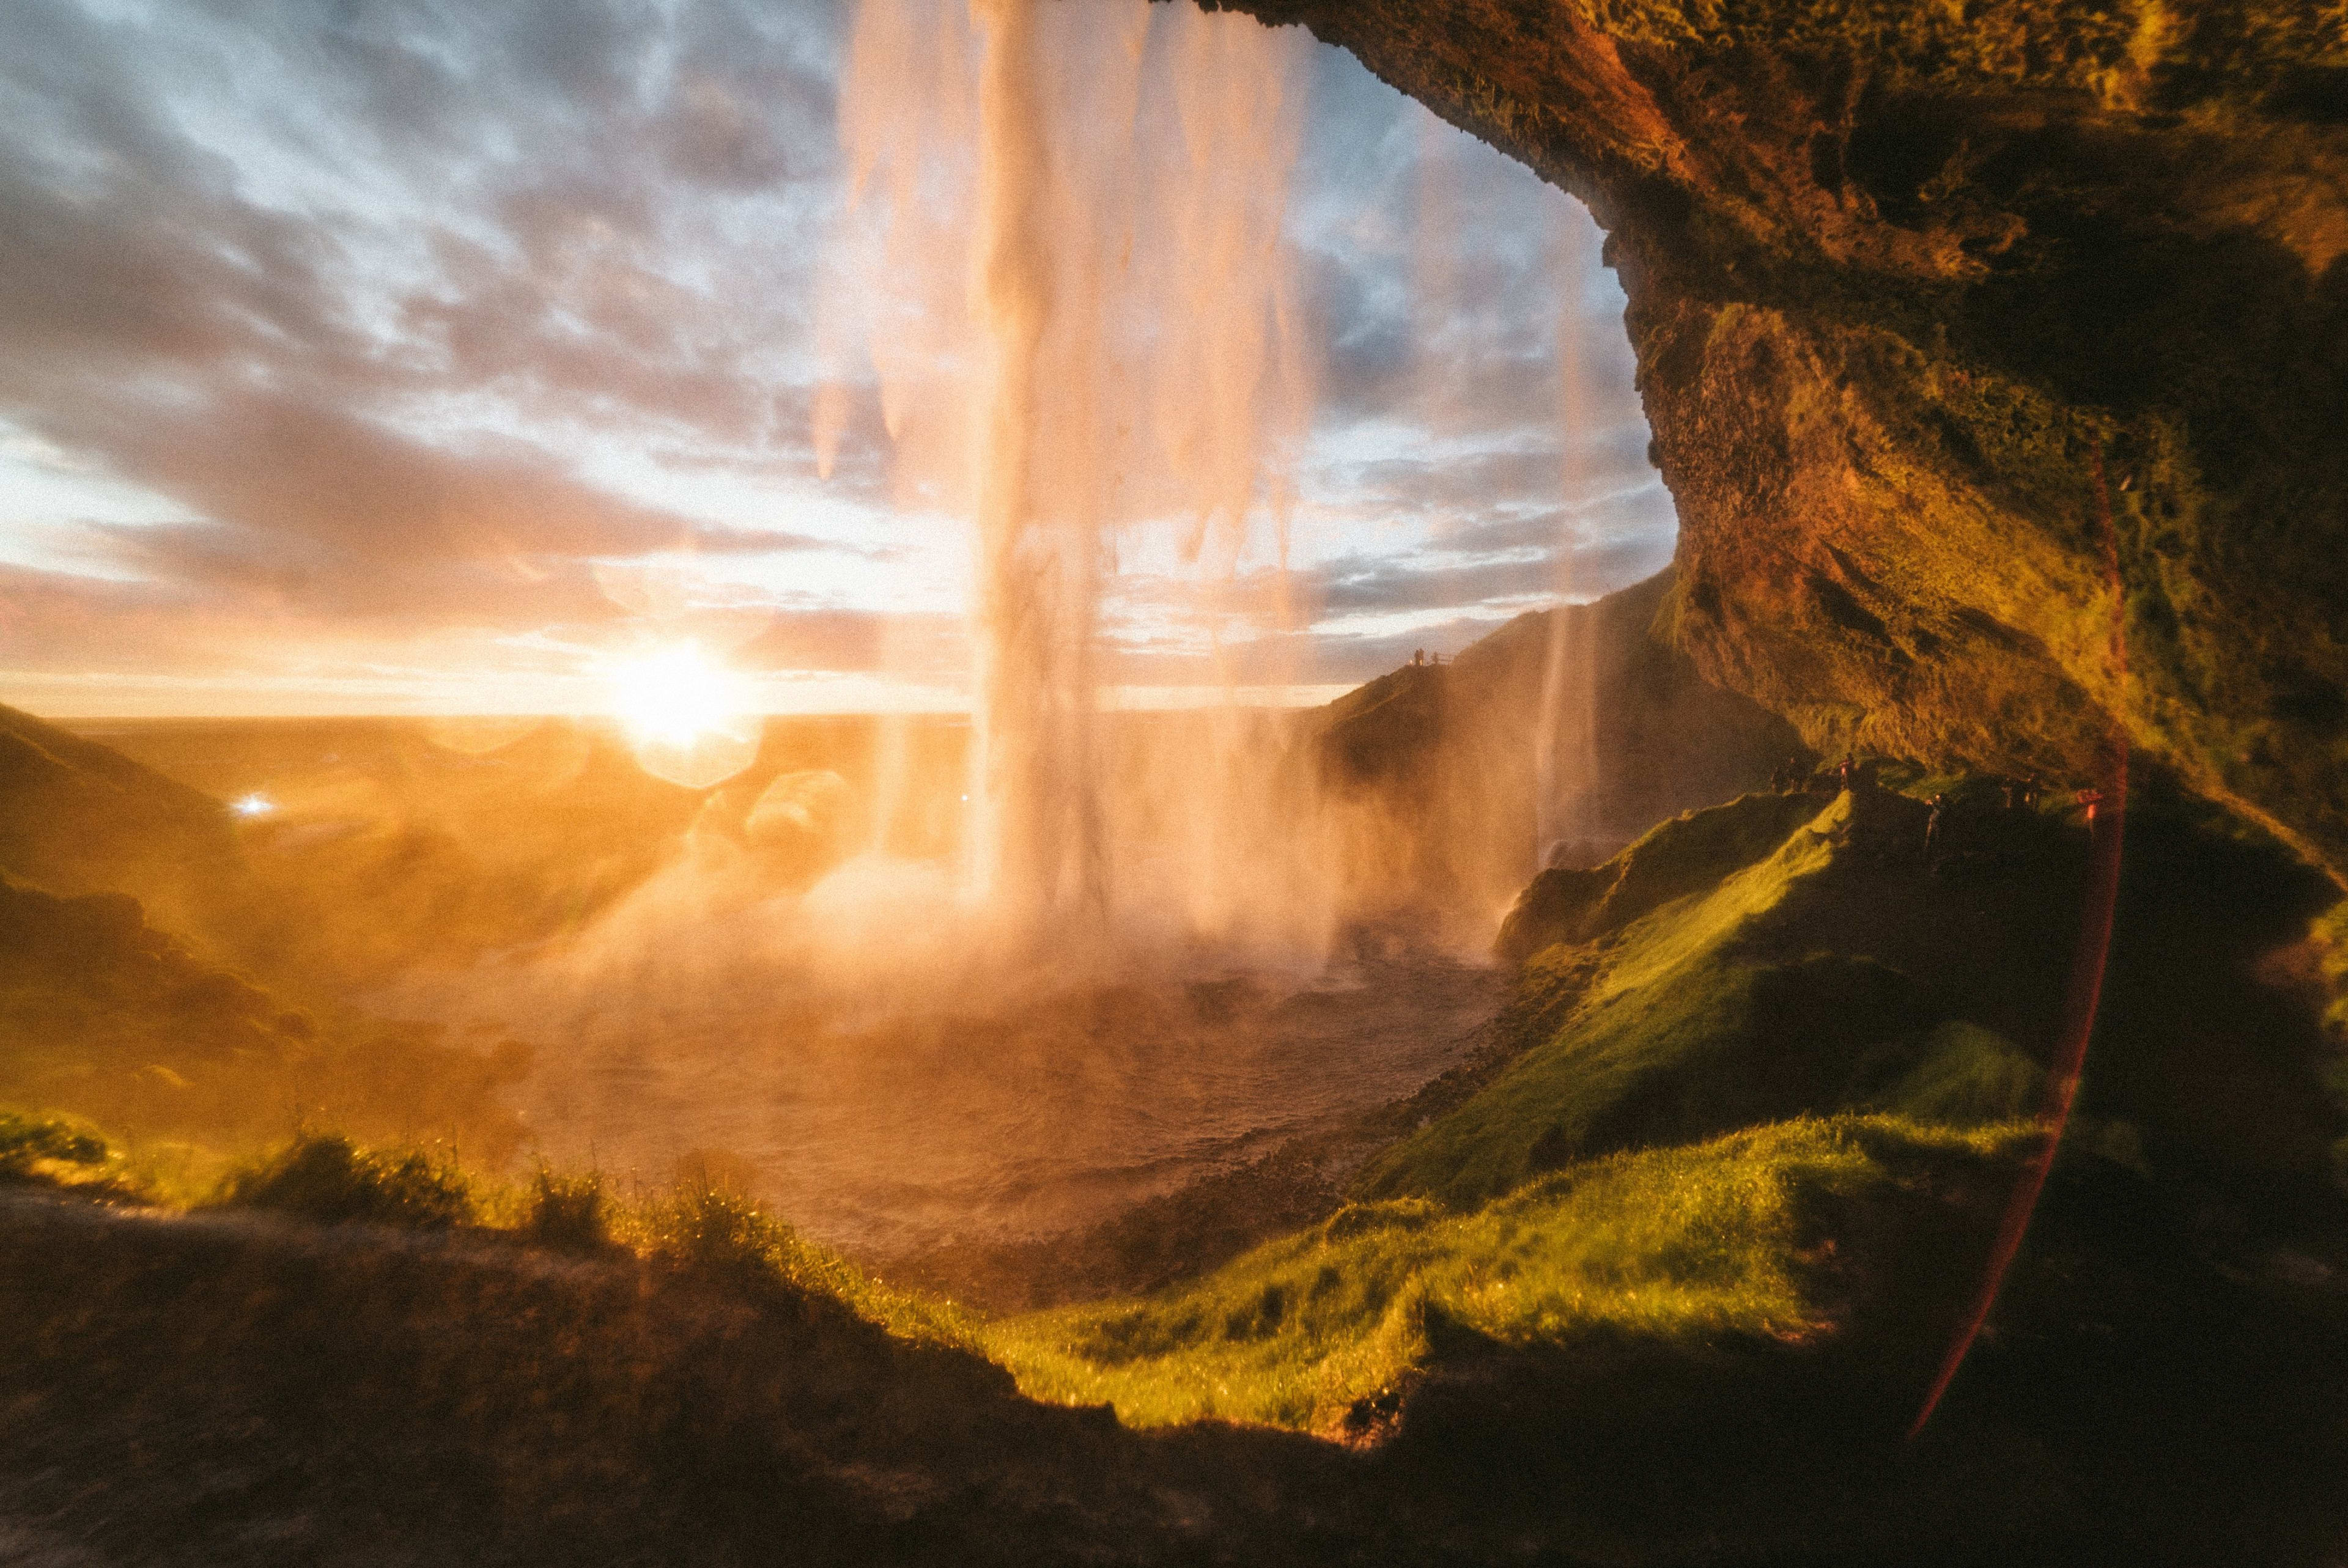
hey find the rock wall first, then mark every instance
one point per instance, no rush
(1996, 355)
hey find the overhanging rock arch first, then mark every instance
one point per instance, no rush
(1903, 281)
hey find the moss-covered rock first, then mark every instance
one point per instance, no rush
(1797, 954)
(1995, 355)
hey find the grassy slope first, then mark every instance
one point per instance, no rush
(1710, 1012)
(79, 817)
(155, 975)
(1702, 1327)
(1772, 1025)
(1693, 1245)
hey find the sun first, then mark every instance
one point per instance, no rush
(678, 695)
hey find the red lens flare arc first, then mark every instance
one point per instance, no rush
(2106, 819)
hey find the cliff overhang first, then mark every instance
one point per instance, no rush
(1996, 355)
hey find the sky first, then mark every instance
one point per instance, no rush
(409, 356)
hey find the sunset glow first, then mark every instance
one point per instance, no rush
(690, 719)
(678, 695)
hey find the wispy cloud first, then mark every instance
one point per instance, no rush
(343, 338)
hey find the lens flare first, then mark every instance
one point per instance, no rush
(688, 717)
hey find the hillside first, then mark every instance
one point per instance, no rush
(1437, 763)
(79, 817)
(1777, 1072)
(104, 1015)
(159, 973)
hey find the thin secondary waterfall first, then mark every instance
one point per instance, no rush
(1565, 738)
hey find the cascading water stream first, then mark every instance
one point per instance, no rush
(1036, 840)
(1118, 381)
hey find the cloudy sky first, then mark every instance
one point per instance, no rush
(398, 355)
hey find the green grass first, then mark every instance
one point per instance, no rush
(1673, 988)
(717, 1236)
(1703, 1043)
(1690, 1245)
(49, 1148)
(1967, 1076)
(568, 1211)
(325, 1177)
(1773, 958)
(739, 1242)
(1690, 853)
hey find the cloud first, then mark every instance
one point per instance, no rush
(408, 317)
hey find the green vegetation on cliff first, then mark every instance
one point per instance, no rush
(1788, 1064)
(1694, 1248)
(1711, 1010)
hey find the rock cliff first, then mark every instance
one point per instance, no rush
(1996, 355)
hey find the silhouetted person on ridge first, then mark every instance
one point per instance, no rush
(1933, 827)
(1418, 657)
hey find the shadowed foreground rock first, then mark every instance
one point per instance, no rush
(229, 1390)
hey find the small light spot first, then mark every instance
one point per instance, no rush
(253, 805)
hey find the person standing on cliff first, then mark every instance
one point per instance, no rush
(1933, 827)
(1848, 766)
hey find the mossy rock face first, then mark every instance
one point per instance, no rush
(1994, 356)
(1784, 955)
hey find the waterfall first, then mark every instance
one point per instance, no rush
(1063, 257)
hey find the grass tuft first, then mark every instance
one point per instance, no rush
(1967, 1076)
(325, 1177)
(567, 1211)
(736, 1242)
(28, 1145)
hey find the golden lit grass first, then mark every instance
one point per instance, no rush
(326, 1178)
(1791, 980)
(59, 1150)
(1672, 985)
(737, 1241)
(1688, 1247)
(1693, 1245)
